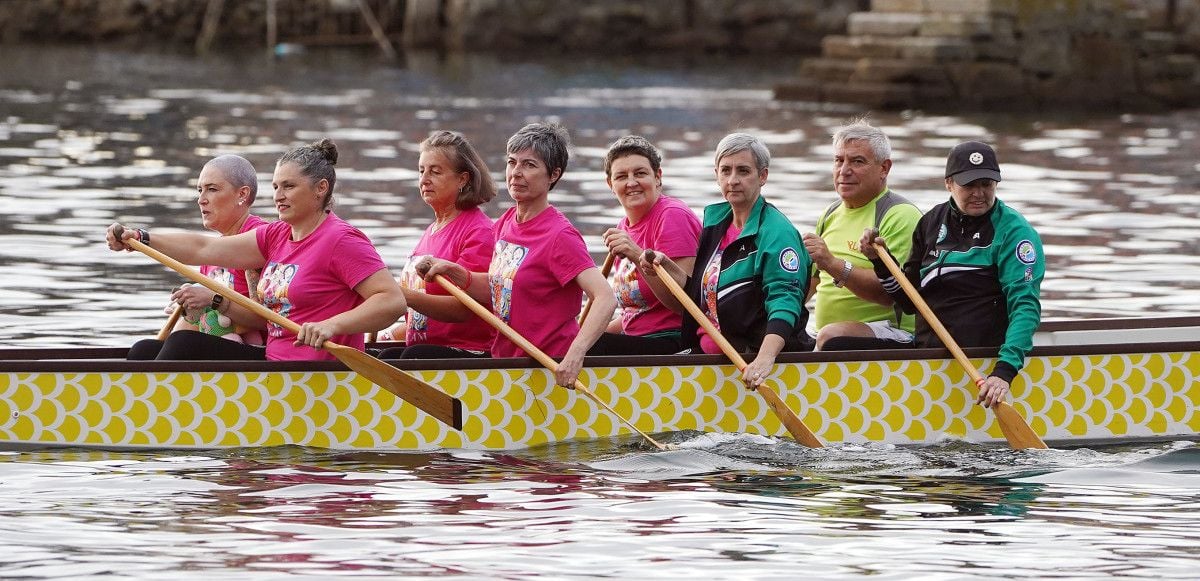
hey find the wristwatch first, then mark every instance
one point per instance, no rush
(216, 303)
(846, 268)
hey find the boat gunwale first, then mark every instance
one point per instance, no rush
(102, 359)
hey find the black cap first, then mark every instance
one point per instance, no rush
(970, 161)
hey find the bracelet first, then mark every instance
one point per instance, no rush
(143, 236)
(216, 303)
(846, 268)
(468, 285)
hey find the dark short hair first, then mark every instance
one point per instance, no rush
(550, 142)
(316, 161)
(632, 145)
(480, 188)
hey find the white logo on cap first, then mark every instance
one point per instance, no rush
(976, 158)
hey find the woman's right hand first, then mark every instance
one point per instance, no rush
(117, 234)
(429, 267)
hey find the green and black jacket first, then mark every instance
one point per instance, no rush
(763, 280)
(981, 276)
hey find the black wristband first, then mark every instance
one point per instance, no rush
(216, 303)
(143, 236)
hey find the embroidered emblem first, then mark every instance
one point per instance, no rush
(789, 260)
(942, 233)
(1028, 274)
(975, 158)
(1025, 252)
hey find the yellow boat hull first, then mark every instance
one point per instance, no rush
(1074, 398)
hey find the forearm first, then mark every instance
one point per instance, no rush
(447, 309)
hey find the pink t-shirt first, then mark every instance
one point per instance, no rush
(532, 276)
(708, 289)
(467, 240)
(670, 228)
(312, 280)
(237, 280)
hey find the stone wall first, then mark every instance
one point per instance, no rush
(625, 26)
(1012, 54)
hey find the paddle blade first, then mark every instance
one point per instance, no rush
(795, 426)
(427, 398)
(1016, 430)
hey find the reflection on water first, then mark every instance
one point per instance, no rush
(723, 507)
(91, 136)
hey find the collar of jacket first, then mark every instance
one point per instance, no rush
(723, 213)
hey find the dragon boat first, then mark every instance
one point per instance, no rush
(1086, 382)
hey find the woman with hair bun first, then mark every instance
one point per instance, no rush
(317, 270)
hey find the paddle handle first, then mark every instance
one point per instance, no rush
(214, 286)
(1016, 430)
(532, 350)
(170, 324)
(604, 271)
(795, 426)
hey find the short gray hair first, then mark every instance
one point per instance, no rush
(238, 171)
(860, 130)
(549, 141)
(739, 142)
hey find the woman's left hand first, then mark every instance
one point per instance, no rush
(193, 297)
(992, 391)
(315, 334)
(757, 371)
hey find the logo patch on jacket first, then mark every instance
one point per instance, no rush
(942, 232)
(789, 260)
(1025, 252)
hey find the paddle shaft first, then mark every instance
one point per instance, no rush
(407, 387)
(799, 430)
(604, 271)
(548, 362)
(1016, 430)
(170, 324)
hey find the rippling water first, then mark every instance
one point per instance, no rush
(89, 136)
(723, 507)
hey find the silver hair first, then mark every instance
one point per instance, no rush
(860, 130)
(238, 171)
(549, 141)
(739, 142)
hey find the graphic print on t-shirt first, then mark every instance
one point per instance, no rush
(273, 291)
(418, 323)
(506, 260)
(625, 285)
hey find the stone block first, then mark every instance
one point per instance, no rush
(898, 6)
(827, 69)
(1008, 7)
(885, 24)
(897, 71)
(936, 49)
(1181, 66)
(852, 47)
(973, 26)
(1156, 43)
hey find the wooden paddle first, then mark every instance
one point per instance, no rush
(790, 420)
(170, 324)
(429, 399)
(531, 349)
(604, 271)
(1018, 432)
